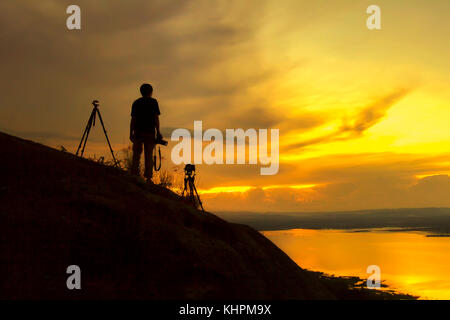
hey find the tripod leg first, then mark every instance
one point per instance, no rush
(193, 192)
(85, 133)
(198, 198)
(106, 135)
(185, 185)
(86, 139)
(81, 142)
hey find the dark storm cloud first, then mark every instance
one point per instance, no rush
(51, 74)
(111, 16)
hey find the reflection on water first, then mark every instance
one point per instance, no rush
(410, 262)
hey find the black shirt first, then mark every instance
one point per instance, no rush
(144, 111)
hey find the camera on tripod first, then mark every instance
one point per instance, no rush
(189, 187)
(189, 169)
(161, 141)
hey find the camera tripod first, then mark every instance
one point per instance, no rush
(90, 124)
(189, 186)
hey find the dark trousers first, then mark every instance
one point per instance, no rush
(146, 142)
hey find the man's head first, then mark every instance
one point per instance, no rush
(146, 90)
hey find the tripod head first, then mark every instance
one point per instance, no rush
(95, 103)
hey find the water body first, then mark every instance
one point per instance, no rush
(410, 261)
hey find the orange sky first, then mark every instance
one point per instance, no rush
(363, 115)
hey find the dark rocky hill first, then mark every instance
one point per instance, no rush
(130, 240)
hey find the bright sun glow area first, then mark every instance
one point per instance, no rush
(243, 189)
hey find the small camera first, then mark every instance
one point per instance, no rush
(189, 168)
(160, 140)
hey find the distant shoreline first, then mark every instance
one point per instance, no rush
(435, 221)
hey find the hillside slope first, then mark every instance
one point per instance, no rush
(129, 241)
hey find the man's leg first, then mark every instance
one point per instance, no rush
(149, 144)
(137, 151)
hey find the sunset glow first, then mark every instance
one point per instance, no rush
(218, 132)
(362, 114)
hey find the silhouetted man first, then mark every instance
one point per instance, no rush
(144, 120)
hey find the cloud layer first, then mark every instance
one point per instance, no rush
(346, 100)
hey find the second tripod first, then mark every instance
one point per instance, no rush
(90, 124)
(189, 186)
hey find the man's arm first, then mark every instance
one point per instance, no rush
(157, 125)
(157, 113)
(132, 128)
